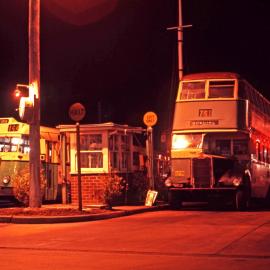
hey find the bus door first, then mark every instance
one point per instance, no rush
(50, 168)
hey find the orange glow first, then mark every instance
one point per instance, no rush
(180, 142)
(17, 93)
(80, 12)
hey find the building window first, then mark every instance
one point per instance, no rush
(136, 159)
(91, 142)
(91, 159)
(113, 147)
(125, 160)
(91, 151)
(114, 160)
(125, 154)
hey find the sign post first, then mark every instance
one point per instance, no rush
(77, 113)
(150, 119)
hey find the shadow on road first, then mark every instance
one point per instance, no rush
(256, 206)
(8, 203)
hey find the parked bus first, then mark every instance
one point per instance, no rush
(220, 141)
(14, 155)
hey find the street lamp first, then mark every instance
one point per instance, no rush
(27, 95)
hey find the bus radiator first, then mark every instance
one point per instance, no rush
(202, 172)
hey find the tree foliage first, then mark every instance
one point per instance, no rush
(21, 186)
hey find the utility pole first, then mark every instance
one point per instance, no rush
(179, 29)
(180, 41)
(34, 79)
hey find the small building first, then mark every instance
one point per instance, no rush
(107, 150)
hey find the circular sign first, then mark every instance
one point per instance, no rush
(76, 112)
(150, 119)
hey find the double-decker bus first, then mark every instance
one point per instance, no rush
(14, 155)
(220, 141)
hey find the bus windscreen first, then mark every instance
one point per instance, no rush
(193, 90)
(221, 89)
(182, 141)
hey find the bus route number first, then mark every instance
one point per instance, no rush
(205, 112)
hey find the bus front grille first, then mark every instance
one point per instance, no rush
(202, 172)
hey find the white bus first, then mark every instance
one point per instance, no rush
(220, 141)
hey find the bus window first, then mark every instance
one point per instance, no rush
(193, 90)
(265, 154)
(8, 144)
(240, 147)
(221, 89)
(182, 141)
(223, 147)
(24, 147)
(258, 150)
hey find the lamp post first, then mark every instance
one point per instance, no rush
(34, 79)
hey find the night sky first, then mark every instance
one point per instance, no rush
(117, 58)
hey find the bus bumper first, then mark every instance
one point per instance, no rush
(203, 194)
(6, 192)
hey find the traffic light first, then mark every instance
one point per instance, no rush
(21, 91)
(26, 94)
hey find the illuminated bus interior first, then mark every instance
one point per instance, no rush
(14, 144)
(216, 144)
(183, 141)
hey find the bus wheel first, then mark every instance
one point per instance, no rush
(241, 200)
(174, 200)
(267, 199)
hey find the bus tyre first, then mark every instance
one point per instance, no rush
(267, 199)
(241, 200)
(174, 200)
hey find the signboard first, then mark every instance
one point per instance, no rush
(201, 115)
(150, 197)
(76, 112)
(150, 119)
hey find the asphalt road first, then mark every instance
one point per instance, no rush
(188, 239)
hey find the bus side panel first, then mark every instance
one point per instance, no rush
(260, 180)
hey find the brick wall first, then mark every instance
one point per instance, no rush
(92, 189)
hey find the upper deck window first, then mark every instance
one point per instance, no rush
(193, 90)
(221, 89)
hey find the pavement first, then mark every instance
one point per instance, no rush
(117, 211)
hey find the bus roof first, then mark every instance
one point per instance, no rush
(211, 75)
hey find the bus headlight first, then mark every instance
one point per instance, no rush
(236, 181)
(6, 180)
(168, 182)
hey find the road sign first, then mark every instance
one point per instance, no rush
(150, 119)
(76, 112)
